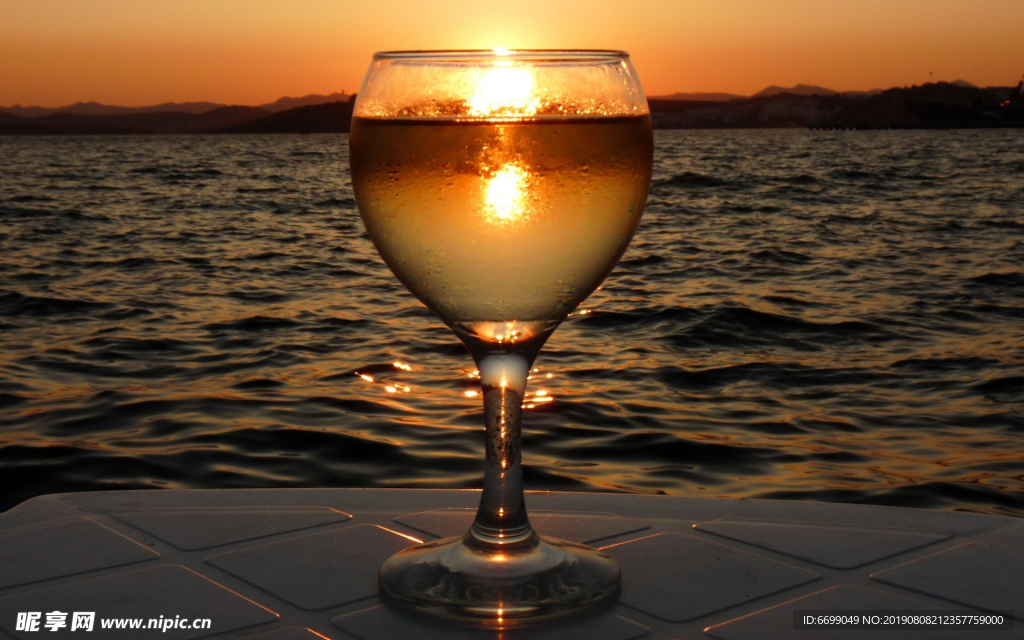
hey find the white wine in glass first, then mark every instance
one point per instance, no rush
(501, 188)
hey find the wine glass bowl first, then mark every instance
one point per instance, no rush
(501, 188)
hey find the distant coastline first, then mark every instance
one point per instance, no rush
(933, 105)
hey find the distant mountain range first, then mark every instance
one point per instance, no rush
(937, 104)
(133, 122)
(97, 109)
(332, 117)
(767, 92)
(775, 90)
(318, 117)
(701, 97)
(931, 105)
(284, 104)
(797, 90)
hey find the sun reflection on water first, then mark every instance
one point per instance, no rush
(505, 193)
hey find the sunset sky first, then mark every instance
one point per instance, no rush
(140, 52)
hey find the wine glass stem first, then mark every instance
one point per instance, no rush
(501, 519)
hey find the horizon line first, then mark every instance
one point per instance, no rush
(345, 93)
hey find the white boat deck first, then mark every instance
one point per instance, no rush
(301, 564)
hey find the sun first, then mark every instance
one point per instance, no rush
(504, 91)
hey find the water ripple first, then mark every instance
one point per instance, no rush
(802, 315)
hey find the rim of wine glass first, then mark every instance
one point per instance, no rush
(528, 55)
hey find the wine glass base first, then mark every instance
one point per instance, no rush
(457, 578)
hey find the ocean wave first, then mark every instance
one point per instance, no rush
(816, 318)
(691, 179)
(14, 304)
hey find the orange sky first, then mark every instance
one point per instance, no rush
(140, 52)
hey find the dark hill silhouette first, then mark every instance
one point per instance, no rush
(701, 97)
(121, 123)
(798, 90)
(333, 117)
(861, 94)
(286, 103)
(228, 116)
(932, 105)
(948, 93)
(145, 122)
(97, 109)
(15, 125)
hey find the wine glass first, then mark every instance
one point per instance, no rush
(501, 187)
